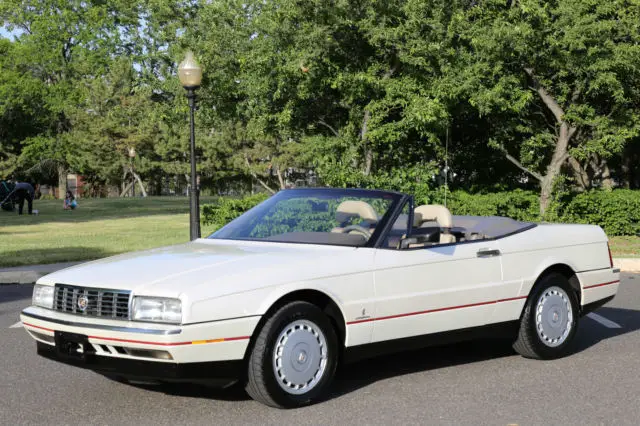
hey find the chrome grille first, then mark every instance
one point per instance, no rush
(105, 303)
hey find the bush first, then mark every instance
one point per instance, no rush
(517, 204)
(225, 209)
(617, 212)
(417, 180)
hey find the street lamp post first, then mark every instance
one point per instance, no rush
(190, 75)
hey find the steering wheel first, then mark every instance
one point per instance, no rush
(357, 228)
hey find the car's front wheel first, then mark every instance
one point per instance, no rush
(550, 319)
(293, 358)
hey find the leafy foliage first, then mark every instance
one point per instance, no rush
(517, 204)
(226, 209)
(617, 212)
(508, 94)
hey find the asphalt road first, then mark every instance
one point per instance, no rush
(482, 382)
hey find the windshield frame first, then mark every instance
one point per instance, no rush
(398, 200)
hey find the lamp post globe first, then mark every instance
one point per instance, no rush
(190, 75)
(189, 72)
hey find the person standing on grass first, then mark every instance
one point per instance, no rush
(24, 191)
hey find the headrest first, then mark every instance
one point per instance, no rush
(432, 212)
(350, 208)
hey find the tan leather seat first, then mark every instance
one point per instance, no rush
(435, 213)
(355, 208)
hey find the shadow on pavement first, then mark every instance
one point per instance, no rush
(361, 374)
(591, 332)
(358, 375)
(364, 373)
(353, 377)
(14, 292)
(190, 390)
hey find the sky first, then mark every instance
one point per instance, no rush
(4, 33)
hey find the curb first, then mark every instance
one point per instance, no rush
(627, 264)
(20, 277)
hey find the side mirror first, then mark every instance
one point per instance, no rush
(406, 242)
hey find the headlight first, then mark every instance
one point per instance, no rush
(43, 296)
(158, 309)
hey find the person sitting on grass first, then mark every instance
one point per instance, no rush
(70, 202)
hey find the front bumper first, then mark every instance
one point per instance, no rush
(220, 373)
(142, 350)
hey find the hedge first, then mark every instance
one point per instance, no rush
(617, 211)
(518, 204)
(225, 209)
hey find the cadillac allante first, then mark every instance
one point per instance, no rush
(315, 277)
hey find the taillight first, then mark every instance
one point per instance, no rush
(610, 257)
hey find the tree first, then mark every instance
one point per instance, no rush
(60, 43)
(559, 80)
(314, 84)
(22, 114)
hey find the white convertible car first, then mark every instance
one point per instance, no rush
(313, 277)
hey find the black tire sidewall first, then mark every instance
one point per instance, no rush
(282, 318)
(552, 280)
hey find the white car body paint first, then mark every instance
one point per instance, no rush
(226, 286)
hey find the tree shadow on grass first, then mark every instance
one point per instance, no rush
(99, 209)
(36, 256)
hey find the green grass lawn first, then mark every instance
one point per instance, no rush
(98, 228)
(106, 226)
(625, 246)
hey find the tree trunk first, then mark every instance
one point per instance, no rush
(368, 154)
(127, 188)
(280, 180)
(546, 189)
(626, 171)
(137, 177)
(607, 180)
(553, 170)
(368, 161)
(62, 181)
(579, 174)
(560, 153)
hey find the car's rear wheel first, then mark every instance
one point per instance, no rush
(293, 358)
(550, 319)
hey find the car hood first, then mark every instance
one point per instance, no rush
(230, 266)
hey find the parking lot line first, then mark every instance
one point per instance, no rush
(16, 325)
(602, 320)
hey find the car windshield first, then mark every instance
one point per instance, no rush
(343, 217)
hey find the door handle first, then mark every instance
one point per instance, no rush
(484, 252)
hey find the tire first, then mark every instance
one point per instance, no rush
(296, 343)
(550, 334)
